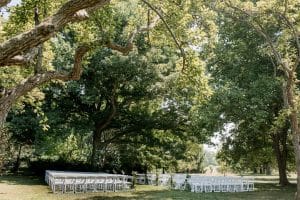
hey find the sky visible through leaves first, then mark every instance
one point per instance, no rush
(3, 11)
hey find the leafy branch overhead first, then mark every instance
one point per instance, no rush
(72, 11)
(113, 78)
(170, 31)
(22, 49)
(129, 44)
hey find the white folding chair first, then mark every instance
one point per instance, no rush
(231, 185)
(100, 184)
(90, 185)
(127, 181)
(216, 184)
(238, 185)
(109, 184)
(245, 187)
(118, 183)
(79, 184)
(224, 184)
(207, 186)
(251, 184)
(57, 184)
(179, 181)
(69, 185)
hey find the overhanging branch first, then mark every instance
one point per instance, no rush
(260, 30)
(12, 95)
(72, 11)
(129, 44)
(295, 35)
(169, 30)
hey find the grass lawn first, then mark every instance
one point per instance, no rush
(25, 188)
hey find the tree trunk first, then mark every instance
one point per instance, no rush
(95, 149)
(39, 61)
(261, 171)
(290, 94)
(4, 147)
(296, 142)
(281, 162)
(279, 140)
(4, 109)
(17, 163)
(101, 126)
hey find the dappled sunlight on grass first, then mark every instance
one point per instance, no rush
(25, 188)
(21, 180)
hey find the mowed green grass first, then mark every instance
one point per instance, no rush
(25, 188)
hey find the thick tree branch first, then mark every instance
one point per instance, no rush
(123, 49)
(102, 124)
(285, 7)
(295, 35)
(4, 3)
(23, 59)
(72, 11)
(169, 30)
(260, 29)
(11, 96)
(142, 29)
(36, 80)
(38, 68)
(129, 44)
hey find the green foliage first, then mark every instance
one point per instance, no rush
(247, 93)
(155, 101)
(22, 15)
(192, 159)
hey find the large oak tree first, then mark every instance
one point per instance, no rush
(282, 44)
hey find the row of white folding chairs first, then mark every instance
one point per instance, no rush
(88, 184)
(222, 185)
(214, 184)
(163, 179)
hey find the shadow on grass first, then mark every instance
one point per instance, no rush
(21, 180)
(150, 195)
(274, 187)
(275, 180)
(262, 192)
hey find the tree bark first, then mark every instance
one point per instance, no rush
(101, 126)
(72, 11)
(95, 149)
(11, 96)
(17, 163)
(281, 151)
(39, 61)
(290, 94)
